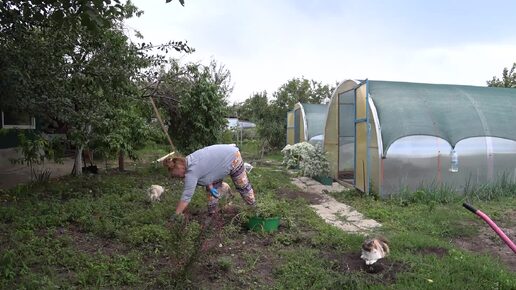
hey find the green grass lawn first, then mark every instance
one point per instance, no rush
(102, 232)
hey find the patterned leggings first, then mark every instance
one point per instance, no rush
(239, 177)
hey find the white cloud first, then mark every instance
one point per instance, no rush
(469, 64)
(265, 43)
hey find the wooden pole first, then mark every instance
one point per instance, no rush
(162, 124)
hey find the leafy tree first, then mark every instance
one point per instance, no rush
(125, 129)
(195, 98)
(508, 79)
(253, 108)
(270, 115)
(180, 1)
(93, 14)
(35, 149)
(221, 77)
(272, 127)
(234, 109)
(72, 63)
(301, 90)
(25, 14)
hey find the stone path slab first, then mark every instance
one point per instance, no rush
(333, 212)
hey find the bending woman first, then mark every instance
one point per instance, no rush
(207, 167)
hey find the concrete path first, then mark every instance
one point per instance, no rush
(334, 212)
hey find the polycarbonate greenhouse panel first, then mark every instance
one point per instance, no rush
(346, 153)
(315, 119)
(424, 161)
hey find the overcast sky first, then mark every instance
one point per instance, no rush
(264, 43)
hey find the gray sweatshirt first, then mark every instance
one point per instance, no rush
(207, 165)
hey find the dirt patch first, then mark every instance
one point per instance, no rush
(312, 198)
(510, 220)
(234, 261)
(90, 243)
(226, 259)
(384, 271)
(488, 242)
(437, 251)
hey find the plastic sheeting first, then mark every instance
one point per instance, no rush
(315, 115)
(451, 112)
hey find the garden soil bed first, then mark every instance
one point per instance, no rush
(488, 242)
(229, 260)
(312, 198)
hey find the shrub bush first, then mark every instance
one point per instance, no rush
(310, 160)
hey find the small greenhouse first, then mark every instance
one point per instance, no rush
(306, 123)
(390, 136)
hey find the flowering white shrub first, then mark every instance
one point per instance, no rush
(310, 160)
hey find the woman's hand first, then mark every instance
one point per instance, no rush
(213, 191)
(181, 206)
(178, 218)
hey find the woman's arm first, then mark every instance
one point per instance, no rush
(189, 189)
(181, 206)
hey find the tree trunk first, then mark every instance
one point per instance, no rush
(77, 166)
(32, 173)
(121, 161)
(262, 149)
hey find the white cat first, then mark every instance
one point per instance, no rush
(155, 192)
(248, 167)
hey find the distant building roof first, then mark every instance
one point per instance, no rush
(234, 123)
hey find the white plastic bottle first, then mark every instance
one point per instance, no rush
(454, 161)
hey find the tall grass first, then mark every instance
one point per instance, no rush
(503, 186)
(435, 192)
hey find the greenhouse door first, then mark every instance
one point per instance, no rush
(290, 128)
(347, 136)
(297, 125)
(362, 138)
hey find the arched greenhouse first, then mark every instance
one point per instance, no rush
(389, 136)
(305, 122)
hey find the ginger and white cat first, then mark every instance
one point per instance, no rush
(374, 250)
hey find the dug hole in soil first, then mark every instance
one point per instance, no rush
(384, 271)
(207, 271)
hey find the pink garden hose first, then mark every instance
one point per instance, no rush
(502, 235)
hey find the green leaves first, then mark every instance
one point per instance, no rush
(270, 113)
(76, 67)
(35, 150)
(125, 128)
(180, 1)
(196, 102)
(95, 15)
(301, 90)
(508, 78)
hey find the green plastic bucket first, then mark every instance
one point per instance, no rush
(259, 224)
(325, 180)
